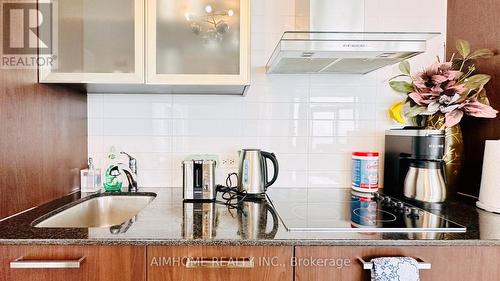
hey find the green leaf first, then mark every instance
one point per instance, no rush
(415, 110)
(401, 86)
(463, 97)
(404, 66)
(463, 48)
(481, 54)
(482, 97)
(477, 81)
(400, 75)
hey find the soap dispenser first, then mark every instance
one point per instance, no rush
(112, 181)
(90, 178)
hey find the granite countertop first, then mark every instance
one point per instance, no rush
(167, 221)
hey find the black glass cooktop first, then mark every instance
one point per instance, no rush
(351, 211)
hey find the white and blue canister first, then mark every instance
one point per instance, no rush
(365, 171)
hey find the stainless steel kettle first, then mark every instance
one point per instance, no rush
(253, 172)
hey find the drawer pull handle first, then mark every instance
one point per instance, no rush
(219, 263)
(369, 265)
(33, 264)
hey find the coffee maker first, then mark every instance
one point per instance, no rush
(414, 166)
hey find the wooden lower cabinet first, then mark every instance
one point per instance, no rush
(99, 263)
(227, 263)
(454, 263)
(240, 263)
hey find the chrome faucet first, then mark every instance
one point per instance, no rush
(130, 171)
(132, 162)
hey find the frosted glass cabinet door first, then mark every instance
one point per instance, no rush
(96, 41)
(198, 42)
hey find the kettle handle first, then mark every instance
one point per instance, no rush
(272, 157)
(272, 232)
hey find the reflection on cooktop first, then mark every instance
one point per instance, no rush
(357, 212)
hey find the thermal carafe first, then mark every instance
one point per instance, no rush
(425, 181)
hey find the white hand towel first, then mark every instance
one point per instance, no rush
(395, 269)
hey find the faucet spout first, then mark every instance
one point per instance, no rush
(131, 176)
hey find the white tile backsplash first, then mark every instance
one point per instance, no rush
(284, 144)
(329, 93)
(290, 179)
(311, 122)
(137, 144)
(274, 110)
(137, 127)
(329, 162)
(342, 144)
(328, 179)
(208, 127)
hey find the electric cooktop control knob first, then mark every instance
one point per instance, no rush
(400, 205)
(414, 212)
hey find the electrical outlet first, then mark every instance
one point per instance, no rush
(228, 162)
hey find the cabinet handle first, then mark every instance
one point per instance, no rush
(220, 263)
(32, 264)
(421, 264)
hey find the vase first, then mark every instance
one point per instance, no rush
(453, 151)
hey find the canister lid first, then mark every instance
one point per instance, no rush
(365, 153)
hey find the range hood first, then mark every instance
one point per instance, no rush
(322, 48)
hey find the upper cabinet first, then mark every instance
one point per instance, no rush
(96, 41)
(164, 46)
(196, 40)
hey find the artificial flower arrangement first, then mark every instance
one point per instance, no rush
(440, 95)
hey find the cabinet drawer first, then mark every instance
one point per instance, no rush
(447, 263)
(75, 263)
(219, 263)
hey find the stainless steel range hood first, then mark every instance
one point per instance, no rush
(322, 48)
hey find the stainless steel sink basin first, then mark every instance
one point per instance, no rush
(99, 210)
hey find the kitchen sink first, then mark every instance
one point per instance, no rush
(98, 210)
